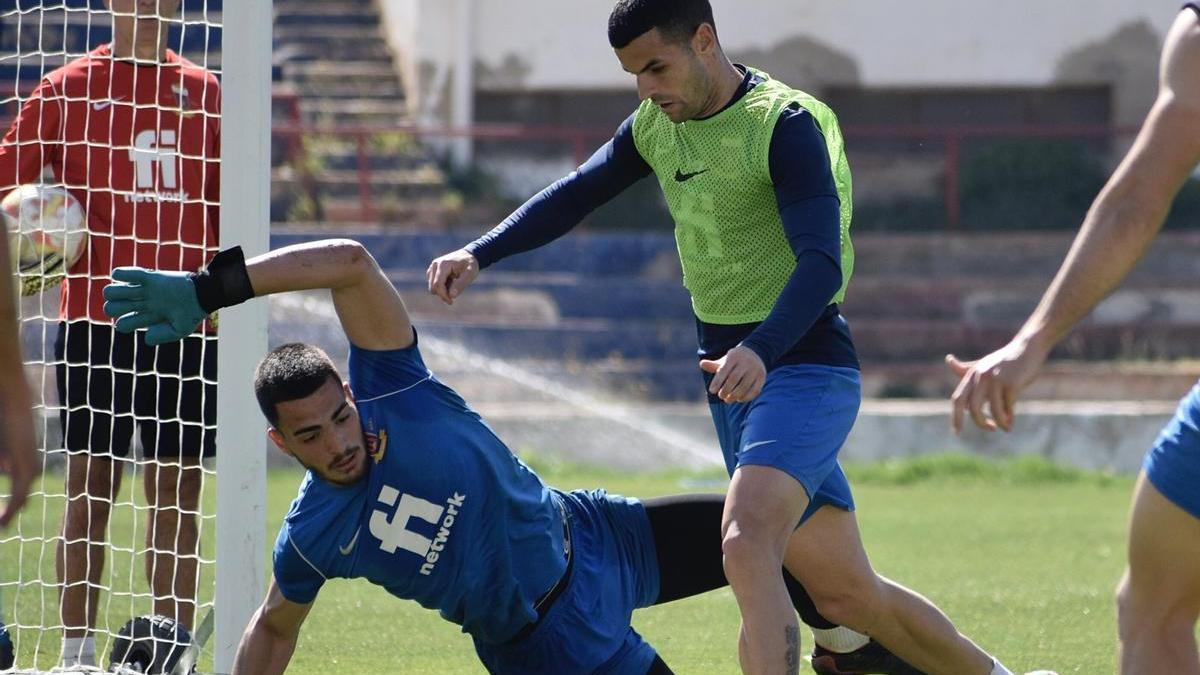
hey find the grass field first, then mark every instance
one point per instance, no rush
(1022, 555)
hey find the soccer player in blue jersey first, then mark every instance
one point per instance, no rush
(757, 182)
(1158, 599)
(408, 488)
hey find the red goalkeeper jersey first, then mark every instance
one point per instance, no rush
(139, 146)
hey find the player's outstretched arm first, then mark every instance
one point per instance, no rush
(270, 638)
(547, 215)
(172, 304)
(1119, 227)
(18, 454)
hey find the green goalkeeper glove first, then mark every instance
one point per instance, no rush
(170, 305)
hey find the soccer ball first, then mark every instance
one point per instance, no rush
(47, 233)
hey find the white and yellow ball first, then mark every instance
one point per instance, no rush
(47, 233)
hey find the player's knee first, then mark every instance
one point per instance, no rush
(1165, 616)
(749, 551)
(851, 602)
(86, 519)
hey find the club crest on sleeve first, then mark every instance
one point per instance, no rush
(377, 445)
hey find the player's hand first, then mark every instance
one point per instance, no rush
(738, 376)
(18, 459)
(995, 380)
(163, 302)
(449, 275)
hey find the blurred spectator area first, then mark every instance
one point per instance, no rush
(966, 199)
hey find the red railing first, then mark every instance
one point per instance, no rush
(581, 140)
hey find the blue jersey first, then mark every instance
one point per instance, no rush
(446, 515)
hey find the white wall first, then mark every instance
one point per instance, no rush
(559, 44)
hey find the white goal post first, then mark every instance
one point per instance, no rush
(245, 215)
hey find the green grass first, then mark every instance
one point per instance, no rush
(1023, 556)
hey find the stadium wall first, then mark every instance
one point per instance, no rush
(548, 45)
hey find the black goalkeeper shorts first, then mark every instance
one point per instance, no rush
(107, 381)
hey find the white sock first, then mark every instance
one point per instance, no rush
(79, 652)
(839, 639)
(999, 669)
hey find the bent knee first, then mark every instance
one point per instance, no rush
(855, 603)
(751, 551)
(1161, 611)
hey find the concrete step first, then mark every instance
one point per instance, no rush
(320, 5)
(380, 112)
(423, 211)
(333, 71)
(988, 300)
(370, 49)
(1059, 380)
(899, 340)
(327, 35)
(383, 185)
(330, 15)
(1005, 256)
(352, 89)
(566, 297)
(376, 160)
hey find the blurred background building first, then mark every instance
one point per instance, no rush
(978, 133)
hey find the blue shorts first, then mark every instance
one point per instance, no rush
(587, 629)
(797, 425)
(1173, 463)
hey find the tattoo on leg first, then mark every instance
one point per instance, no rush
(792, 657)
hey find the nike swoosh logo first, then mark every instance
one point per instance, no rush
(681, 176)
(345, 550)
(751, 446)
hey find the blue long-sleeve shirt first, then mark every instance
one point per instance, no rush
(802, 326)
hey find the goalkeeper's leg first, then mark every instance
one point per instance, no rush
(92, 483)
(172, 537)
(176, 401)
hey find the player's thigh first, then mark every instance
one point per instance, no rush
(827, 555)
(798, 426)
(1164, 556)
(176, 399)
(763, 504)
(94, 376)
(687, 543)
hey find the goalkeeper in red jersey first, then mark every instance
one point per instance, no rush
(132, 130)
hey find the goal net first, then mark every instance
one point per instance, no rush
(139, 146)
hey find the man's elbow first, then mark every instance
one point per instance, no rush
(351, 255)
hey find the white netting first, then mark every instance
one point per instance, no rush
(138, 145)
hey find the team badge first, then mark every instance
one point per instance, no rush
(377, 445)
(181, 96)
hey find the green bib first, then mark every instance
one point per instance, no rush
(716, 178)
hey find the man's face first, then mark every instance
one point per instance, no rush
(322, 431)
(669, 72)
(147, 13)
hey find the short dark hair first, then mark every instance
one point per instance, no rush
(675, 19)
(291, 371)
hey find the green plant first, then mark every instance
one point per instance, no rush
(1029, 183)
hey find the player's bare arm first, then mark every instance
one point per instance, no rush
(1119, 227)
(172, 304)
(270, 638)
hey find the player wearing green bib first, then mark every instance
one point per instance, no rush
(757, 182)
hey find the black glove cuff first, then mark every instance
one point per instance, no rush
(224, 282)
